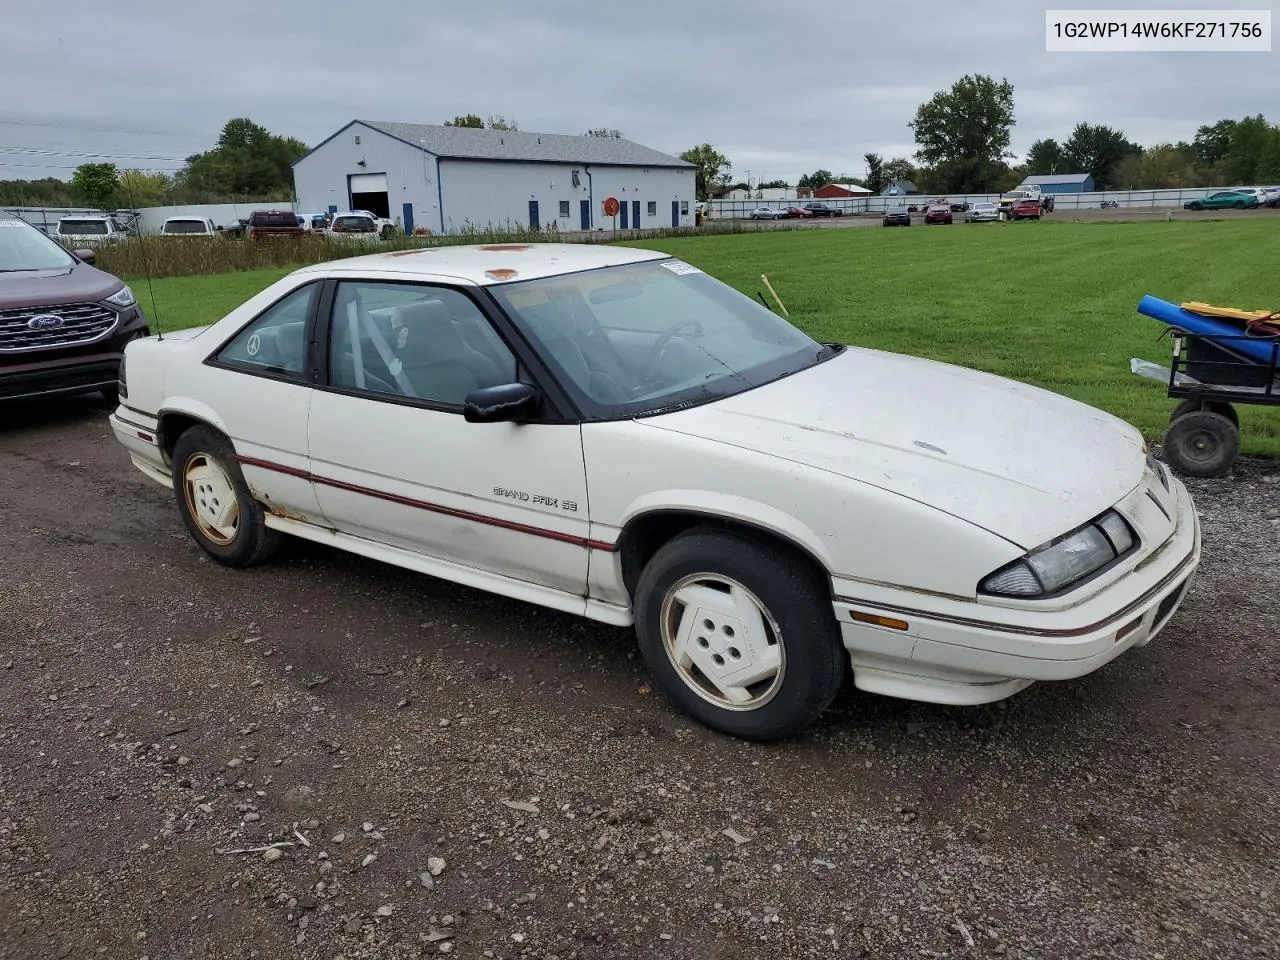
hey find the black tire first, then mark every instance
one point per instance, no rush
(1192, 404)
(1202, 444)
(252, 541)
(1195, 206)
(794, 596)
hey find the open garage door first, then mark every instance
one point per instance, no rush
(369, 192)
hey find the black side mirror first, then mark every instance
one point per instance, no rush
(505, 402)
(84, 256)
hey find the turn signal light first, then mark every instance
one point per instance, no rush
(878, 621)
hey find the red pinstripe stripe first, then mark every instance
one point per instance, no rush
(430, 507)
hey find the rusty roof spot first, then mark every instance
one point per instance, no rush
(506, 247)
(501, 273)
(406, 253)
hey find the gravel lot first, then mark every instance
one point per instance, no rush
(158, 711)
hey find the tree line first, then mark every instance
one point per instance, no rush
(247, 164)
(963, 135)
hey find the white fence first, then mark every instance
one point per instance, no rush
(1140, 199)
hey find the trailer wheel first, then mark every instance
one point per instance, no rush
(1202, 444)
(1213, 406)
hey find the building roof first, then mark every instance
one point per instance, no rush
(842, 190)
(898, 188)
(471, 264)
(473, 144)
(1048, 179)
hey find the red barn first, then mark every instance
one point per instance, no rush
(837, 190)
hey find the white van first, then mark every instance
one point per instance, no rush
(91, 228)
(188, 227)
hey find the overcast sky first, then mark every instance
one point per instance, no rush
(782, 88)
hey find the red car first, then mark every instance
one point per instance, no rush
(1028, 209)
(798, 212)
(937, 213)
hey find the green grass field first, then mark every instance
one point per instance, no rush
(1050, 303)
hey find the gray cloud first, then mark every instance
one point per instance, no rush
(781, 88)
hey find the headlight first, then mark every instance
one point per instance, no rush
(1075, 557)
(122, 297)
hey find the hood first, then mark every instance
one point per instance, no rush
(1021, 462)
(80, 283)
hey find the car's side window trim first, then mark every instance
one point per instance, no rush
(302, 379)
(557, 407)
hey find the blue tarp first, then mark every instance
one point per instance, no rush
(1257, 349)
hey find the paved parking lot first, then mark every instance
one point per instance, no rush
(470, 775)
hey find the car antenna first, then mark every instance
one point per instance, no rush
(764, 301)
(146, 262)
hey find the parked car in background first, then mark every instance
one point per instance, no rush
(89, 230)
(386, 227)
(1273, 199)
(314, 222)
(961, 207)
(937, 213)
(1028, 208)
(823, 210)
(355, 225)
(448, 414)
(897, 216)
(768, 213)
(63, 323)
(1223, 200)
(188, 227)
(266, 224)
(234, 229)
(982, 213)
(797, 212)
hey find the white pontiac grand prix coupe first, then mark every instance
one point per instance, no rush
(614, 433)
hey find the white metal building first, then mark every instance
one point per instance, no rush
(448, 179)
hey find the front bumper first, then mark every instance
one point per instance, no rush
(67, 370)
(963, 652)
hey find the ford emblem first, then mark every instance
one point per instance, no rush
(44, 321)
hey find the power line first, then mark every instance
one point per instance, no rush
(63, 166)
(96, 127)
(46, 152)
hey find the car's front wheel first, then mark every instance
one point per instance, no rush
(215, 502)
(739, 634)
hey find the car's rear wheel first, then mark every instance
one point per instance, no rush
(215, 502)
(1202, 444)
(739, 634)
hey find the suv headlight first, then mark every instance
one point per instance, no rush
(1056, 566)
(122, 298)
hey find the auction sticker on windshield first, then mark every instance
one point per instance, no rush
(679, 267)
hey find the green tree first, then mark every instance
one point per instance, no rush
(712, 169)
(1045, 157)
(1096, 150)
(248, 160)
(875, 172)
(1212, 142)
(1165, 166)
(501, 123)
(95, 184)
(138, 189)
(606, 133)
(47, 192)
(466, 120)
(1252, 142)
(773, 185)
(899, 168)
(963, 133)
(819, 178)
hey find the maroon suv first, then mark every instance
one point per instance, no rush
(63, 324)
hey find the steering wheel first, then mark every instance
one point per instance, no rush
(649, 366)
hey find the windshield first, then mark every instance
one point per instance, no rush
(185, 226)
(82, 228)
(23, 247)
(644, 338)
